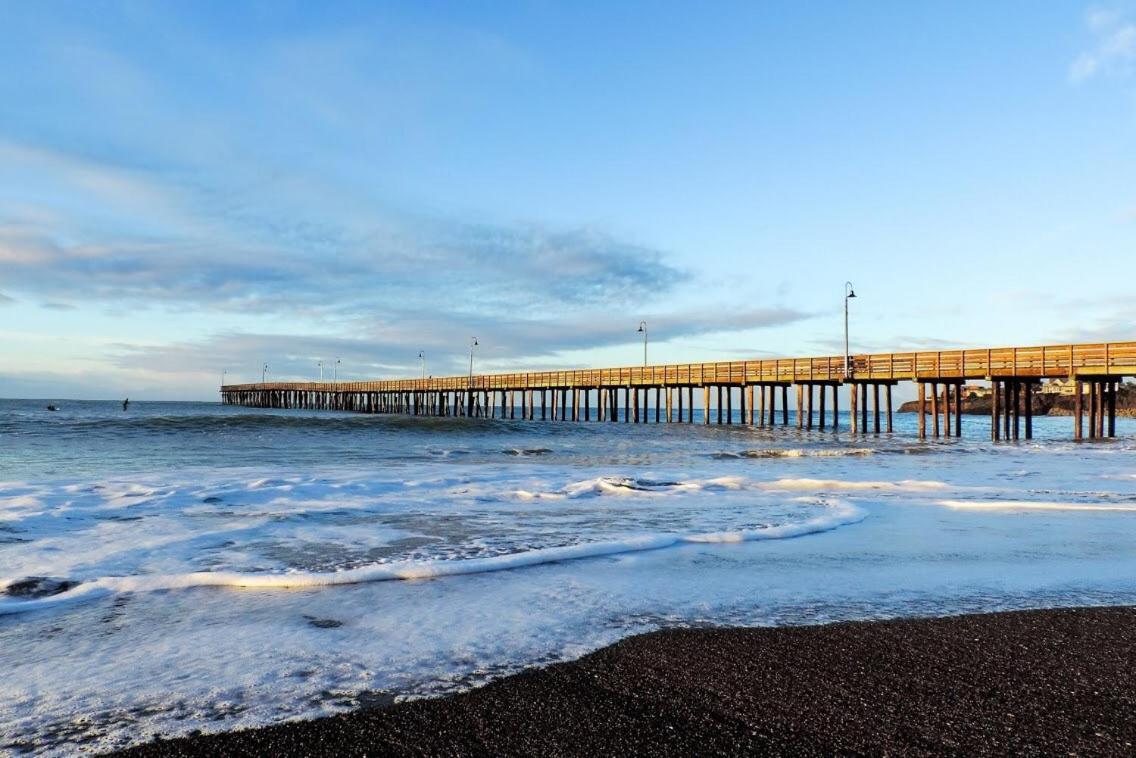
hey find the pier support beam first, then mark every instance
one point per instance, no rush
(922, 410)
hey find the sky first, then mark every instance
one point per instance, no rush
(194, 190)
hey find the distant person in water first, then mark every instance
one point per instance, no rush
(125, 403)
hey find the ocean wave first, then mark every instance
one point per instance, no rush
(265, 420)
(629, 485)
(1032, 505)
(792, 453)
(527, 452)
(839, 514)
(842, 484)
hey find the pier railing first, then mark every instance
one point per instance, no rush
(1047, 361)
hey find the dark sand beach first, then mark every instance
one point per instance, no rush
(1034, 682)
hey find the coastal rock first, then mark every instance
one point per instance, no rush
(1043, 404)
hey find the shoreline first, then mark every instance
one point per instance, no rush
(1040, 681)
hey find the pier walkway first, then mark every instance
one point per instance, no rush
(759, 389)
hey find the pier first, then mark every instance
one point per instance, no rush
(759, 389)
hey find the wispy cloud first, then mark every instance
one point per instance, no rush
(390, 347)
(489, 269)
(1114, 48)
(5, 300)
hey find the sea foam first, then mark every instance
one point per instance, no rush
(839, 514)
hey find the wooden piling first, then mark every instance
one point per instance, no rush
(1112, 389)
(958, 410)
(946, 410)
(935, 410)
(820, 417)
(1028, 387)
(1015, 406)
(1092, 410)
(1078, 411)
(922, 409)
(995, 392)
(1100, 410)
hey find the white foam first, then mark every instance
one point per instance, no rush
(839, 514)
(841, 484)
(633, 487)
(1032, 505)
(803, 453)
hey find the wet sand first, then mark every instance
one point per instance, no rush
(1034, 682)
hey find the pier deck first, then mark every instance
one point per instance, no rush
(1095, 368)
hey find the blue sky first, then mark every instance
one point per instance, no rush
(192, 188)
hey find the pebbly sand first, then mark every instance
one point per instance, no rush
(1032, 682)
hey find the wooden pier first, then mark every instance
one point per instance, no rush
(759, 389)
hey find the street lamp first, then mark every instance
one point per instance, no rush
(422, 360)
(643, 330)
(223, 372)
(335, 372)
(849, 293)
(472, 344)
(263, 373)
(321, 370)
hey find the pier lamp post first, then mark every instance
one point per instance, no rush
(320, 364)
(223, 372)
(335, 372)
(422, 361)
(469, 387)
(472, 344)
(643, 330)
(849, 293)
(263, 373)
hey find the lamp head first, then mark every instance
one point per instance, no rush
(851, 294)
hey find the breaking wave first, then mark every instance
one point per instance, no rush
(838, 514)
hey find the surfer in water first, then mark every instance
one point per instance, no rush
(125, 404)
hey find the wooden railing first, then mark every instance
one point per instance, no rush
(1049, 361)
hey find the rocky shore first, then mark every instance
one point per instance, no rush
(1043, 404)
(1048, 682)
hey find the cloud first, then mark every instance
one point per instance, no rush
(893, 344)
(490, 269)
(1118, 323)
(109, 234)
(1114, 51)
(56, 306)
(390, 348)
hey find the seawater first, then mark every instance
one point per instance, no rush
(191, 566)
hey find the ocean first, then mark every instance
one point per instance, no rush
(192, 566)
